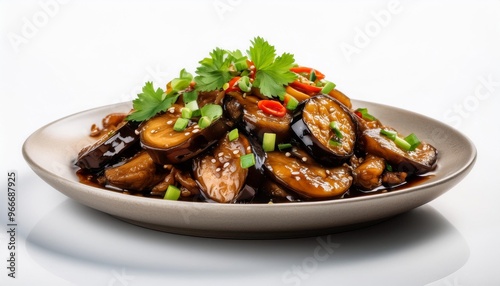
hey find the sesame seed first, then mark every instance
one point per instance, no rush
(187, 133)
(304, 159)
(195, 131)
(327, 172)
(213, 160)
(296, 173)
(153, 131)
(288, 154)
(217, 170)
(220, 154)
(331, 110)
(225, 165)
(236, 152)
(170, 122)
(297, 178)
(137, 132)
(171, 109)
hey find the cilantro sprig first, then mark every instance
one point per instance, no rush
(213, 71)
(153, 101)
(273, 73)
(268, 72)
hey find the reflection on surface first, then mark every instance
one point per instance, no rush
(76, 242)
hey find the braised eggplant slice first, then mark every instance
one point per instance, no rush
(419, 161)
(219, 173)
(137, 174)
(368, 175)
(167, 146)
(254, 121)
(392, 179)
(109, 148)
(301, 174)
(341, 97)
(272, 192)
(312, 128)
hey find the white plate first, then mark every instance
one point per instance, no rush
(51, 150)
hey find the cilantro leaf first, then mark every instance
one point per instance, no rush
(214, 71)
(239, 60)
(272, 80)
(182, 82)
(261, 53)
(150, 102)
(273, 73)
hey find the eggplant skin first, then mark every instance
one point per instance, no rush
(311, 129)
(137, 174)
(110, 148)
(421, 160)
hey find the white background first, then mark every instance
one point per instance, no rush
(439, 59)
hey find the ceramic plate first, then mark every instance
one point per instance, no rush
(51, 151)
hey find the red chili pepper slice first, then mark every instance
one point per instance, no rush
(272, 107)
(308, 70)
(306, 88)
(233, 86)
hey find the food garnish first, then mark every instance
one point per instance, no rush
(252, 127)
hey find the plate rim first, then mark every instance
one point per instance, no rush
(41, 171)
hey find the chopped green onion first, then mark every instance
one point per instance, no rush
(406, 145)
(186, 113)
(365, 115)
(329, 86)
(412, 139)
(312, 76)
(388, 167)
(212, 111)
(181, 124)
(292, 102)
(204, 122)
(173, 193)
(334, 142)
(193, 105)
(241, 64)
(268, 142)
(247, 160)
(233, 134)
(244, 84)
(335, 127)
(401, 143)
(179, 84)
(182, 82)
(389, 133)
(284, 146)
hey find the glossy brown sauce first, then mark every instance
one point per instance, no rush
(411, 182)
(92, 179)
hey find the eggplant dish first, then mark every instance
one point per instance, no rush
(250, 128)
